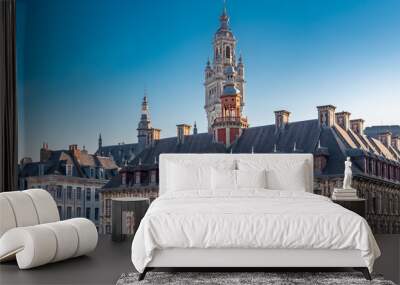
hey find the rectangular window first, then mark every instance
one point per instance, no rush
(96, 194)
(108, 207)
(91, 172)
(87, 213)
(69, 192)
(59, 192)
(68, 169)
(108, 229)
(69, 212)
(153, 177)
(78, 212)
(78, 193)
(96, 214)
(88, 194)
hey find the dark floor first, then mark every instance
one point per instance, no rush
(110, 260)
(103, 266)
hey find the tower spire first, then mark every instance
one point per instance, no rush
(100, 142)
(224, 19)
(195, 128)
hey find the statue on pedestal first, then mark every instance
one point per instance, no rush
(348, 174)
(346, 192)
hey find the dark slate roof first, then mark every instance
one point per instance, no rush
(29, 169)
(114, 182)
(337, 151)
(59, 158)
(333, 142)
(120, 152)
(263, 139)
(199, 143)
(374, 131)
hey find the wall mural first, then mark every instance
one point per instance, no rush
(105, 89)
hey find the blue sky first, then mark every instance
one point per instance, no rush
(83, 65)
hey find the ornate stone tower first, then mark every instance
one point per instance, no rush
(224, 50)
(228, 126)
(147, 135)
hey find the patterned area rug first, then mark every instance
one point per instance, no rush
(233, 278)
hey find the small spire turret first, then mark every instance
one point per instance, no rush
(100, 142)
(195, 128)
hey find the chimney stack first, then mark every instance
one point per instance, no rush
(182, 131)
(357, 126)
(45, 153)
(343, 120)
(326, 115)
(155, 135)
(385, 138)
(396, 142)
(281, 119)
(75, 151)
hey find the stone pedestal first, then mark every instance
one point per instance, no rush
(344, 194)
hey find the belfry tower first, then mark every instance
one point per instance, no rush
(228, 126)
(224, 55)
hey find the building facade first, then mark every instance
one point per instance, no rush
(73, 177)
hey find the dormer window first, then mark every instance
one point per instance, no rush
(91, 172)
(101, 173)
(123, 179)
(68, 170)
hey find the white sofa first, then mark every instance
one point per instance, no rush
(31, 230)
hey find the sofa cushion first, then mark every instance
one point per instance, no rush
(23, 208)
(7, 220)
(67, 240)
(45, 205)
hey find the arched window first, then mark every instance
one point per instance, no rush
(228, 52)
